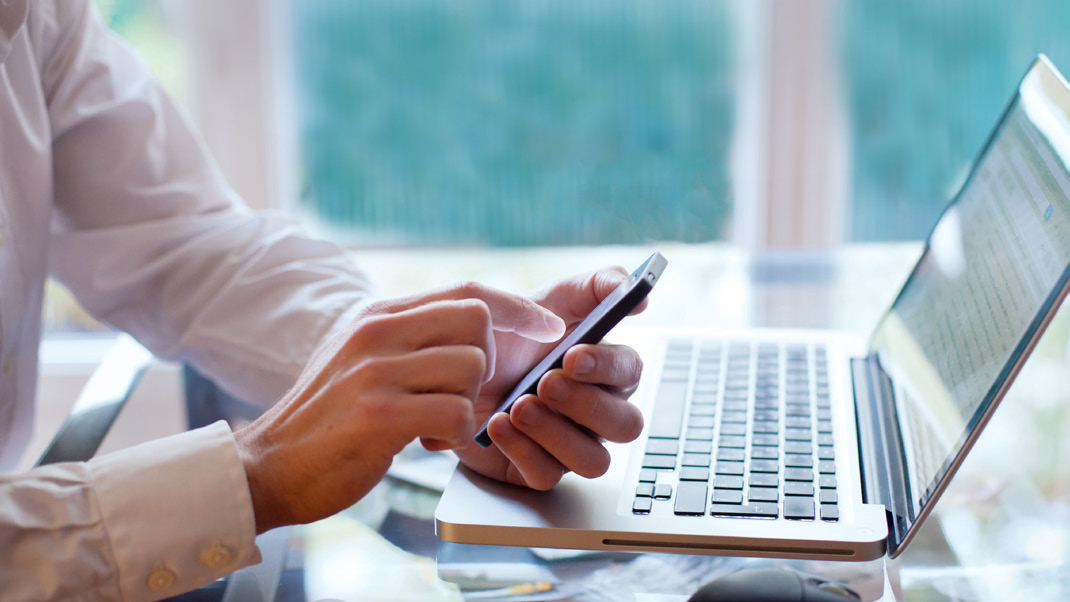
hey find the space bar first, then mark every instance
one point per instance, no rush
(668, 412)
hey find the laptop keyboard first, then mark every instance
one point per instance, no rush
(741, 429)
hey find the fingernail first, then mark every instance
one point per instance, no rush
(554, 323)
(583, 364)
(555, 389)
(529, 414)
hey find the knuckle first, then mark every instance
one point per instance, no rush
(468, 289)
(370, 330)
(456, 415)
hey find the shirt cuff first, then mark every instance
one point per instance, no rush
(177, 512)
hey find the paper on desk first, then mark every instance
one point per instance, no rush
(493, 575)
(416, 465)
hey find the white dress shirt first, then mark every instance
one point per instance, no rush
(103, 185)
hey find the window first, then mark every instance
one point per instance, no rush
(515, 123)
(926, 82)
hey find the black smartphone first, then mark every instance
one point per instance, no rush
(592, 329)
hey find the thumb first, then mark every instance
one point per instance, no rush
(573, 298)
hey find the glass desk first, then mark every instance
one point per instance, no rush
(1000, 532)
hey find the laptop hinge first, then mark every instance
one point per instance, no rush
(880, 446)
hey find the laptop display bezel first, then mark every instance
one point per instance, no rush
(1041, 69)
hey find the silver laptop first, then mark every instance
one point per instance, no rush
(795, 444)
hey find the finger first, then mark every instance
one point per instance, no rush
(574, 298)
(510, 313)
(451, 369)
(574, 449)
(529, 464)
(446, 421)
(603, 412)
(435, 324)
(618, 367)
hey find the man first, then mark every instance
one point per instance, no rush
(103, 185)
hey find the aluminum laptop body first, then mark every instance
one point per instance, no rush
(897, 413)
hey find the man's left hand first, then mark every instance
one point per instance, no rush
(577, 406)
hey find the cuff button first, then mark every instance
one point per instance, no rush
(216, 556)
(160, 579)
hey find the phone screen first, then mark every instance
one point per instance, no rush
(618, 304)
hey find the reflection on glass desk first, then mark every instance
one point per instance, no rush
(1000, 532)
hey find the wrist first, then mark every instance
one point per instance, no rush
(260, 492)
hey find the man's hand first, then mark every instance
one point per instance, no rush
(403, 369)
(559, 430)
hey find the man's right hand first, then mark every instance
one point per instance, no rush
(403, 369)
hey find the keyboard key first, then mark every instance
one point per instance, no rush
(702, 460)
(704, 410)
(830, 512)
(797, 422)
(826, 467)
(642, 505)
(662, 491)
(732, 441)
(694, 473)
(797, 434)
(732, 428)
(826, 453)
(825, 439)
(701, 422)
(735, 406)
(737, 417)
(648, 475)
(755, 509)
(797, 508)
(763, 480)
(798, 447)
(727, 496)
(700, 434)
(771, 466)
(730, 468)
(764, 452)
(690, 498)
(828, 496)
(799, 460)
(662, 462)
(730, 453)
(799, 488)
(644, 490)
(799, 474)
(667, 421)
(824, 426)
(827, 481)
(765, 427)
(698, 447)
(762, 494)
(765, 440)
(662, 447)
(727, 482)
(703, 398)
(766, 415)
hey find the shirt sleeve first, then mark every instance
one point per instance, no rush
(150, 238)
(108, 527)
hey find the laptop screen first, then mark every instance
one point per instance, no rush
(994, 268)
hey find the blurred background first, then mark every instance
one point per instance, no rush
(610, 121)
(765, 123)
